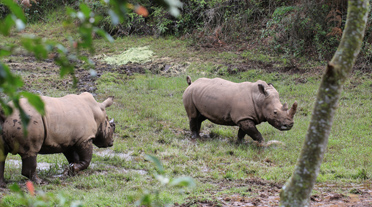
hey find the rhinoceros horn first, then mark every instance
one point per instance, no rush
(292, 111)
(112, 121)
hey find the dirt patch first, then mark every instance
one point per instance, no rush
(41, 75)
(266, 193)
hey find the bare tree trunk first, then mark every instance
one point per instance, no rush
(297, 190)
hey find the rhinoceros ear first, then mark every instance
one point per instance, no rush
(261, 88)
(285, 106)
(293, 110)
(108, 102)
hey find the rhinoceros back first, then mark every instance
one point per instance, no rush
(69, 120)
(221, 101)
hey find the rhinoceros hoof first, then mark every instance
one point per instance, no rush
(70, 170)
(39, 181)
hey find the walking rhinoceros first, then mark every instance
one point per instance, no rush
(243, 104)
(70, 125)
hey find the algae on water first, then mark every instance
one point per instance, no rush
(134, 55)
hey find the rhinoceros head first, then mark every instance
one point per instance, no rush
(276, 113)
(104, 137)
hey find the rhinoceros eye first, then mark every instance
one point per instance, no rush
(275, 112)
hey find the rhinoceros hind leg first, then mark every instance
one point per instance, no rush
(84, 152)
(29, 169)
(195, 125)
(248, 127)
(241, 135)
(2, 167)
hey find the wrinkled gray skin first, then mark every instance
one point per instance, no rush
(243, 104)
(70, 126)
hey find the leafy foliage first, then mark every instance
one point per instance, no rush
(152, 198)
(38, 198)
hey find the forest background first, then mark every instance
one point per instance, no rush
(285, 42)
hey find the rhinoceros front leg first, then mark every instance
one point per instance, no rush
(29, 169)
(248, 127)
(72, 156)
(84, 153)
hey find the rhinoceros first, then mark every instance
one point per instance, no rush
(70, 125)
(243, 104)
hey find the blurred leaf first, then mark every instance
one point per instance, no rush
(183, 182)
(15, 9)
(20, 24)
(156, 161)
(104, 34)
(6, 108)
(5, 52)
(162, 179)
(140, 10)
(85, 10)
(35, 101)
(36, 46)
(6, 25)
(173, 6)
(25, 119)
(15, 188)
(145, 200)
(114, 17)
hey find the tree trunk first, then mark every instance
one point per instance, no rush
(297, 190)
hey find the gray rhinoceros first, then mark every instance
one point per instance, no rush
(243, 104)
(70, 125)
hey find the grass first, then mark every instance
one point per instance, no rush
(151, 119)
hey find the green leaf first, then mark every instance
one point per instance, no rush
(104, 34)
(156, 161)
(15, 9)
(25, 119)
(183, 182)
(35, 101)
(85, 10)
(6, 25)
(145, 200)
(15, 188)
(4, 52)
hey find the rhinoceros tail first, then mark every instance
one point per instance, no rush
(188, 79)
(108, 102)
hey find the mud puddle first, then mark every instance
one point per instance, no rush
(40, 165)
(110, 153)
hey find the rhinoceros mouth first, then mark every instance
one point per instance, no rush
(285, 127)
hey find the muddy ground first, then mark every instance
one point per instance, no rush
(43, 75)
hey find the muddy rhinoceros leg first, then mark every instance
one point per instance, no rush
(195, 125)
(72, 156)
(2, 167)
(248, 127)
(84, 152)
(29, 169)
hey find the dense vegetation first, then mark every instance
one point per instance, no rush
(280, 42)
(288, 28)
